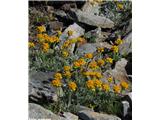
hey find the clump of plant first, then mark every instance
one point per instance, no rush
(78, 80)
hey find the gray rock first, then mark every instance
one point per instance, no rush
(90, 115)
(86, 17)
(38, 112)
(126, 47)
(125, 107)
(55, 25)
(70, 116)
(93, 20)
(91, 47)
(40, 88)
(119, 72)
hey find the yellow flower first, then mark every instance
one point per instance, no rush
(67, 74)
(65, 53)
(120, 6)
(72, 86)
(100, 50)
(98, 83)
(119, 41)
(31, 44)
(117, 88)
(81, 61)
(100, 62)
(110, 60)
(98, 74)
(67, 68)
(114, 48)
(59, 33)
(45, 47)
(73, 40)
(70, 33)
(56, 83)
(54, 39)
(90, 85)
(41, 28)
(105, 87)
(58, 76)
(76, 64)
(80, 39)
(124, 85)
(89, 55)
(66, 44)
(110, 79)
(93, 65)
(40, 36)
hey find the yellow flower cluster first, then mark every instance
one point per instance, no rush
(110, 79)
(58, 76)
(65, 53)
(79, 63)
(109, 60)
(45, 38)
(115, 48)
(100, 50)
(117, 88)
(90, 85)
(70, 32)
(124, 85)
(67, 74)
(119, 41)
(31, 44)
(67, 68)
(93, 65)
(105, 87)
(45, 47)
(72, 86)
(93, 74)
(41, 29)
(56, 83)
(88, 55)
(98, 83)
(100, 62)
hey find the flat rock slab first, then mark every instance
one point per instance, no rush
(38, 112)
(90, 115)
(93, 20)
(40, 88)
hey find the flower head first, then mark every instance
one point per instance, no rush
(100, 50)
(114, 48)
(65, 53)
(124, 85)
(58, 76)
(117, 88)
(89, 55)
(105, 87)
(45, 47)
(110, 79)
(110, 60)
(93, 65)
(98, 83)
(72, 86)
(98, 74)
(76, 64)
(67, 74)
(41, 29)
(59, 33)
(119, 41)
(100, 62)
(90, 85)
(66, 68)
(56, 83)
(31, 44)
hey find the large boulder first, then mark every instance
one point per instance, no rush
(40, 88)
(90, 115)
(38, 112)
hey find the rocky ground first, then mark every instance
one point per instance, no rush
(101, 24)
